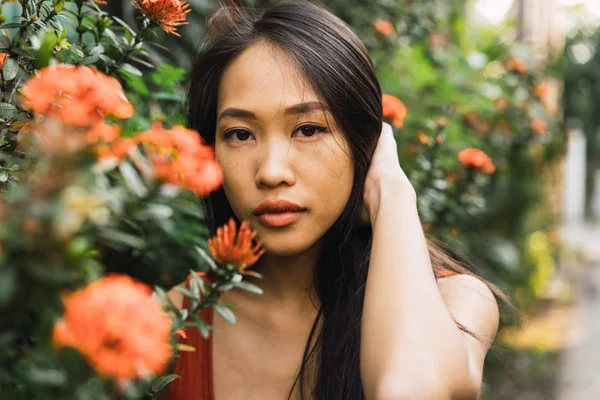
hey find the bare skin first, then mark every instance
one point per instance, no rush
(411, 347)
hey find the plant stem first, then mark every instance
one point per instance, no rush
(79, 22)
(137, 39)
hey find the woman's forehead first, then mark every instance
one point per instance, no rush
(265, 77)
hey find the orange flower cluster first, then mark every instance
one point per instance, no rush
(395, 109)
(231, 246)
(515, 64)
(76, 95)
(117, 326)
(477, 159)
(168, 14)
(180, 157)
(538, 126)
(384, 27)
(541, 90)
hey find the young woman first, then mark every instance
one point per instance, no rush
(355, 305)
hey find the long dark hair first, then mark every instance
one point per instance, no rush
(339, 68)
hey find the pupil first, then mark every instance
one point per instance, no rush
(242, 135)
(309, 131)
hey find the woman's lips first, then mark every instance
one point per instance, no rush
(276, 213)
(279, 220)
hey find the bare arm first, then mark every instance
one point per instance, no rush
(411, 347)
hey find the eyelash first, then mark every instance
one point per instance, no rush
(320, 129)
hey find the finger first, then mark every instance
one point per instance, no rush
(387, 129)
(387, 136)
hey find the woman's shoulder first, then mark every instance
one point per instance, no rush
(471, 302)
(455, 282)
(175, 296)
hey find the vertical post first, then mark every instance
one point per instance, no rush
(574, 174)
(521, 21)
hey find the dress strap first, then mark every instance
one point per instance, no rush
(443, 273)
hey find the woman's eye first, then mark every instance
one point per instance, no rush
(310, 130)
(238, 134)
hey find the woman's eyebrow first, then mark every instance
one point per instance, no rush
(301, 108)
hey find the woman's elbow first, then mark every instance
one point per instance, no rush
(400, 388)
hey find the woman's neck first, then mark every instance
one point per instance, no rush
(288, 280)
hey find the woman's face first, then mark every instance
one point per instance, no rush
(277, 145)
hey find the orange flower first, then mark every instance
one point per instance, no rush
(515, 64)
(423, 138)
(30, 225)
(384, 27)
(3, 58)
(395, 109)
(538, 126)
(501, 103)
(230, 246)
(541, 90)
(181, 158)
(454, 231)
(102, 132)
(473, 120)
(76, 95)
(118, 149)
(117, 326)
(489, 168)
(477, 159)
(168, 14)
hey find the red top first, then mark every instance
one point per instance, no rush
(195, 367)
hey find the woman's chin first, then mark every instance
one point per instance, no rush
(284, 245)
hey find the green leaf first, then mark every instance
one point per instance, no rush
(211, 263)
(112, 36)
(7, 110)
(12, 25)
(5, 41)
(249, 287)
(131, 69)
(135, 83)
(10, 69)
(121, 239)
(159, 383)
(124, 25)
(195, 298)
(183, 291)
(145, 63)
(225, 312)
(199, 281)
(168, 96)
(133, 180)
(90, 60)
(202, 326)
(22, 52)
(47, 377)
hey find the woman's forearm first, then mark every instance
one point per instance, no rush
(410, 345)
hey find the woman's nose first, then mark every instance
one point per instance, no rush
(274, 164)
